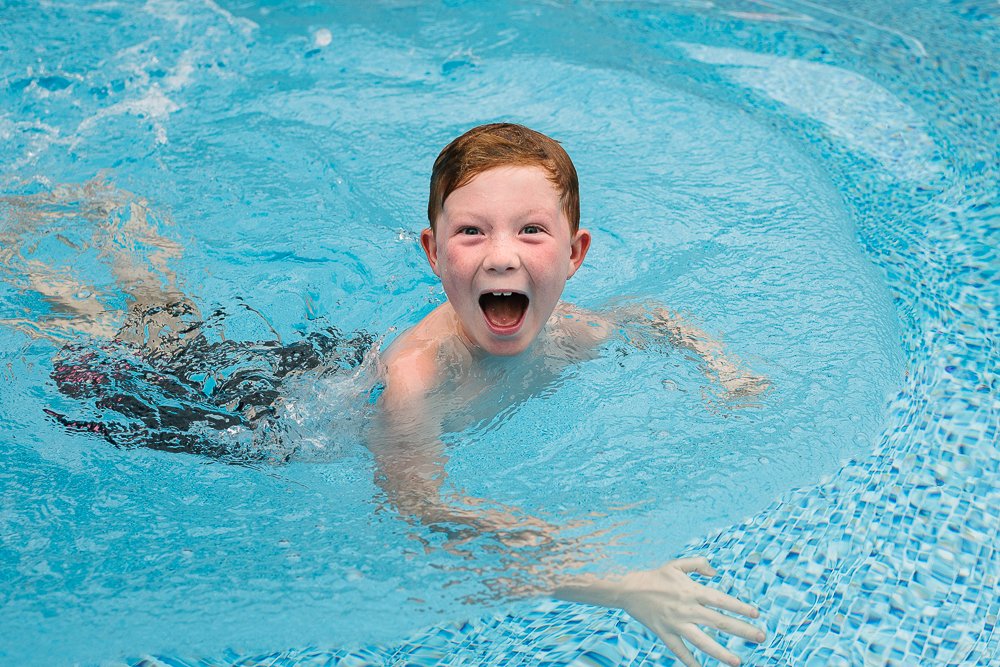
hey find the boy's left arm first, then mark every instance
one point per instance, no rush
(640, 322)
(735, 378)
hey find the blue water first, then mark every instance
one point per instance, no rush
(816, 186)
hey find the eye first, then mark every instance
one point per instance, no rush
(532, 229)
(468, 231)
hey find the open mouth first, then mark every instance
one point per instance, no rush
(504, 311)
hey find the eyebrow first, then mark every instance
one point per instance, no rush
(538, 211)
(534, 212)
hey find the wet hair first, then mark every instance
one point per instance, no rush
(503, 145)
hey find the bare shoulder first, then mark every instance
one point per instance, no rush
(587, 327)
(413, 366)
(410, 371)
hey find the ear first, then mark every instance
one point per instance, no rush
(578, 250)
(429, 245)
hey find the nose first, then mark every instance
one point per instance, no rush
(501, 256)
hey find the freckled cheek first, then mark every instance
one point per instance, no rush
(456, 274)
(459, 261)
(551, 266)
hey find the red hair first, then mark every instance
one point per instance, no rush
(503, 145)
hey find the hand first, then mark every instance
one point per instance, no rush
(670, 604)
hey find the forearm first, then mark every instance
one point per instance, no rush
(413, 480)
(472, 517)
(588, 589)
(723, 367)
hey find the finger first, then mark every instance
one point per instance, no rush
(709, 646)
(676, 645)
(734, 626)
(699, 565)
(720, 600)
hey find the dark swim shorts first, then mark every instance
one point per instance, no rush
(187, 398)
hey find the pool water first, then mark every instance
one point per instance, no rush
(816, 186)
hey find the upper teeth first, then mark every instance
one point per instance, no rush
(502, 293)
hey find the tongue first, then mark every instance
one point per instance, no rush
(503, 311)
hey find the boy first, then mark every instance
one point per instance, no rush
(504, 238)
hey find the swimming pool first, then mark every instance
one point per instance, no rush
(817, 185)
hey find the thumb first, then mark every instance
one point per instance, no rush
(699, 565)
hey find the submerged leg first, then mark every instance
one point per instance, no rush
(147, 368)
(94, 217)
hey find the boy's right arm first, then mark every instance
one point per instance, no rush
(668, 602)
(405, 438)
(411, 462)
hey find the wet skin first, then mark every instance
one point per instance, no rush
(504, 231)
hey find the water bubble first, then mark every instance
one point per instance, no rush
(322, 37)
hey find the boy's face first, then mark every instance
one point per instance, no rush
(503, 251)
